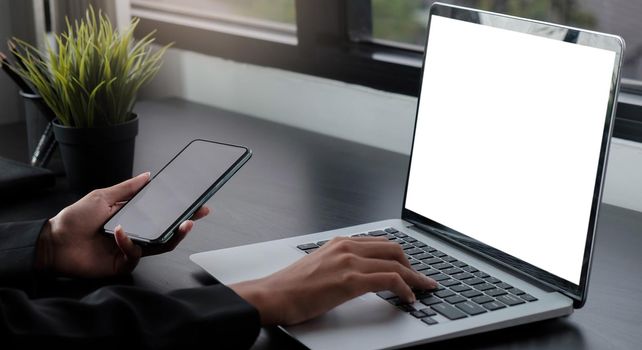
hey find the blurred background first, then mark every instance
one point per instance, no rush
(345, 68)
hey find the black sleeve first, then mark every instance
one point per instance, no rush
(17, 249)
(118, 316)
(130, 317)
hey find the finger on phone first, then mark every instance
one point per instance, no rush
(125, 244)
(185, 227)
(126, 189)
(181, 233)
(201, 213)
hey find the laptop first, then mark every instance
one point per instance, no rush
(503, 190)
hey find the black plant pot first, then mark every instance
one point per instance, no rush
(97, 157)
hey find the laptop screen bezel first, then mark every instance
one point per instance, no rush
(609, 42)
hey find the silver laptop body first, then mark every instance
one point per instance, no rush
(509, 154)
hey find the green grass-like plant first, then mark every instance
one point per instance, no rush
(93, 76)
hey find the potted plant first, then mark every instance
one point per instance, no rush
(90, 82)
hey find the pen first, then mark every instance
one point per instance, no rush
(45, 147)
(6, 67)
(14, 52)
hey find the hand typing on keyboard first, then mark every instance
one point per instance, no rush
(340, 270)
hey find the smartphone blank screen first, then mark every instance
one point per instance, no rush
(175, 188)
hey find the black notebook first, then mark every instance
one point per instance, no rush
(17, 178)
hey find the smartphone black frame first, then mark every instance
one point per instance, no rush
(168, 233)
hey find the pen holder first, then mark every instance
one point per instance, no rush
(37, 118)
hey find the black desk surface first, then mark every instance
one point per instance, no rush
(300, 182)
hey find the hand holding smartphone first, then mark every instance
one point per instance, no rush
(181, 187)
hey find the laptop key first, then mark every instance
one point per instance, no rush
(307, 246)
(428, 311)
(439, 277)
(395, 301)
(400, 234)
(386, 294)
(459, 263)
(420, 267)
(430, 301)
(418, 314)
(455, 299)
(470, 308)
(414, 262)
(460, 288)
(420, 294)
(444, 293)
(516, 291)
(420, 244)
(483, 299)
(452, 271)
(391, 230)
(309, 251)
(484, 286)
(448, 258)
(320, 243)
(414, 251)
(449, 282)
(438, 253)
(494, 305)
(528, 297)
(496, 281)
(406, 246)
(463, 276)
(473, 281)
(429, 321)
(496, 292)
(448, 311)
(410, 239)
(430, 272)
(432, 261)
(510, 300)
(471, 293)
(406, 308)
(423, 256)
(481, 274)
(469, 269)
(442, 266)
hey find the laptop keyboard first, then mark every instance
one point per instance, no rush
(463, 291)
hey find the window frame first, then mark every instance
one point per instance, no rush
(329, 44)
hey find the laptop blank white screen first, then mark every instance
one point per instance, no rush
(508, 139)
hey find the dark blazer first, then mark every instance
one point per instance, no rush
(116, 316)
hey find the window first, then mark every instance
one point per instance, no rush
(375, 43)
(404, 22)
(280, 11)
(262, 19)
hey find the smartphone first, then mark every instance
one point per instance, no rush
(181, 187)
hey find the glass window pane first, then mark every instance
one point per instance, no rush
(280, 11)
(405, 20)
